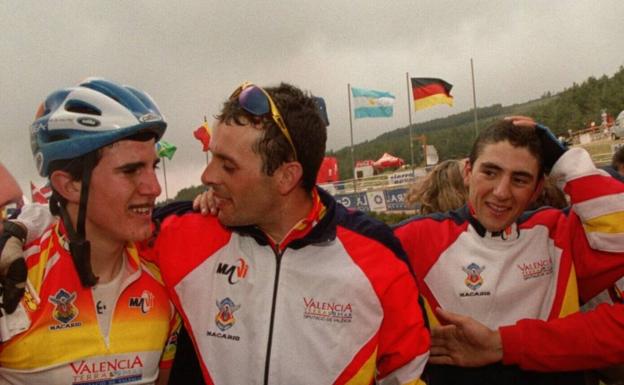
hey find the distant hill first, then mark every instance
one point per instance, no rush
(572, 109)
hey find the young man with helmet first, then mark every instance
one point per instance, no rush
(94, 311)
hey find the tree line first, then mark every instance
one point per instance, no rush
(574, 108)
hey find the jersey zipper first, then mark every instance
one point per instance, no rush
(278, 256)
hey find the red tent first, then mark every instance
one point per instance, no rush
(328, 171)
(387, 161)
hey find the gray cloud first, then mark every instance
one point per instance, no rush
(190, 55)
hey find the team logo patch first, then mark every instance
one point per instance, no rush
(473, 280)
(225, 317)
(235, 273)
(64, 309)
(329, 311)
(145, 302)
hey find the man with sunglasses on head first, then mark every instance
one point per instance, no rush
(284, 285)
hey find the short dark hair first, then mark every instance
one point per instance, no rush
(618, 158)
(505, 130)
(305, 125)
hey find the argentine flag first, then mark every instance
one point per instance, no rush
(371, 103)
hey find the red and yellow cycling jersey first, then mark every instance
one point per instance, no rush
(64, 343)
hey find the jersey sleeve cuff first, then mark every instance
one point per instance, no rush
(511, 337)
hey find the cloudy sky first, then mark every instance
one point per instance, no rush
(190, 55)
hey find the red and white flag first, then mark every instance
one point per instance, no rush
(40, 194)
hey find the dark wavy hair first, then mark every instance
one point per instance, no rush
(307, 130)
(505, 130)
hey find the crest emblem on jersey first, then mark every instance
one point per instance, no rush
(474, 279)
(64, 309)
(225, 317)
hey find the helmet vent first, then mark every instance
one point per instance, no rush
(81, 107)
(57, 137)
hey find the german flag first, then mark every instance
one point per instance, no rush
(428, 92)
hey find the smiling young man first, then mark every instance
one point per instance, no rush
(94, 312)
(503, 181)
(502, 279)
(285, 286)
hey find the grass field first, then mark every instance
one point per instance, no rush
(601, 150)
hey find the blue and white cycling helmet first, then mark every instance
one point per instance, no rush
(75, 121)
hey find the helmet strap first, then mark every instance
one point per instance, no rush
(79, 246)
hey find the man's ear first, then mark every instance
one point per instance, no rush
(63, 183)
(538, 189)
(289, 176)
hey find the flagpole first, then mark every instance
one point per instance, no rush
(351, 130)
(409, 113)
(165, 177)
(208, 153)
(474, 100)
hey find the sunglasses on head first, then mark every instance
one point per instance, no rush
(258, 102)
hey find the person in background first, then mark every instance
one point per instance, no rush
(551, 196)
(618, 161)
(94, 311)
(12, 273)
(441, 190)
(10, 192)
(616, 168)
(502, 286)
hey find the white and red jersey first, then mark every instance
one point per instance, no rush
(331, 305)
(517, 279)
